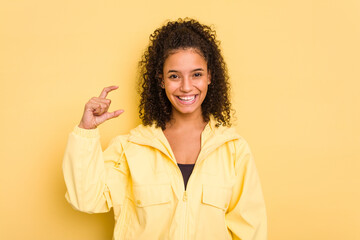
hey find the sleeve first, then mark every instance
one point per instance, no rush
(246, 217)
(95, 180)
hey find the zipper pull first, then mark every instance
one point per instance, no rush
(185, 196)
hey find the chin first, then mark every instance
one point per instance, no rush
(182, 111)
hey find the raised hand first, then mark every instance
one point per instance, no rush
(96, 110)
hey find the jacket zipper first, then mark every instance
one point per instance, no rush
(185, 200)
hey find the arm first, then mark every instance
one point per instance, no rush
(246, 218)
(91, 175)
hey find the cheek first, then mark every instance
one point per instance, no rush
(203, 86)
(169, 88)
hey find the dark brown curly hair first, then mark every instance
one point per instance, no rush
(182, 34)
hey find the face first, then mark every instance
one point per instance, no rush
(186, 79)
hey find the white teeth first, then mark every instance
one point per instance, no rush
(189, 98)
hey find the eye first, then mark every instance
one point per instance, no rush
(197, 74)
(173, 76)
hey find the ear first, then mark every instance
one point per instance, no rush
(209, 77)
(162, 84)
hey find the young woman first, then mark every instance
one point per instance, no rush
(184, 173)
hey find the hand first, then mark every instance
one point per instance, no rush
(96, 110)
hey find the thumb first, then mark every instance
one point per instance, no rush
(115, 114)
(108, 115)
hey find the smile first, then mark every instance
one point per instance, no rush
(187, 99)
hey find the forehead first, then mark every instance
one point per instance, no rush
(185, 59)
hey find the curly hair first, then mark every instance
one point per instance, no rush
(182, 34)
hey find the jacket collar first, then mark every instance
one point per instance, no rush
(212, 137)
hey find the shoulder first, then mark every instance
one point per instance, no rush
(141, 131)
(120, 139)
(237, 142)
(230, 133)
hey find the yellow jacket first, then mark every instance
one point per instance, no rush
(137, 176)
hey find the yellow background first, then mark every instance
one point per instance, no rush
(294, 68)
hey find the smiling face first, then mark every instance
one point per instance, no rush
(186, 79)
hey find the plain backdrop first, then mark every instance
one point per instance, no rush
(295, 72)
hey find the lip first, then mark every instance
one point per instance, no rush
(187, 102)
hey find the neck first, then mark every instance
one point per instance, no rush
(181, 121)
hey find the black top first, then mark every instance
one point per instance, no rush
(186, 170)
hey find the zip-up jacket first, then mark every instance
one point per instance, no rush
(137, 176)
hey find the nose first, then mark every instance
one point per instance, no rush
(186, 85)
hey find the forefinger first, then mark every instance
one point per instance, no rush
(106, 90)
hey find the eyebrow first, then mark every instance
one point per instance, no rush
(195, 70)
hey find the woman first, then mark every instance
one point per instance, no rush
(182, 174)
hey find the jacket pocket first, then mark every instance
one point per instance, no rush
(215, 200)
(216, 196)
(153, 211)
(148, 195)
